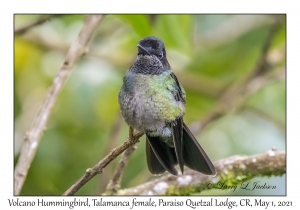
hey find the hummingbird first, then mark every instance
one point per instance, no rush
(153, 101)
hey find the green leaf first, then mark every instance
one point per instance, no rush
(175, 31)
(139, 23)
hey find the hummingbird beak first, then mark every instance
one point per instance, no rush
(142, 49)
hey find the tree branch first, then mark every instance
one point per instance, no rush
(41, 20)
(234, 170)
(91, 172)
(114, 183)
(32, 138)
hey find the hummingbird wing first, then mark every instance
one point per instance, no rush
(193, 154)
(160, 157)
(179, 94)
(177, 125)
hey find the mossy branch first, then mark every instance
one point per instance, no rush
(233, 170)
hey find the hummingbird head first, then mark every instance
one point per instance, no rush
(152, 45)
(152, 56)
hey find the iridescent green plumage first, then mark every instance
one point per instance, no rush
(155, 95)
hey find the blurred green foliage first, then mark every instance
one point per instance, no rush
(216, 50)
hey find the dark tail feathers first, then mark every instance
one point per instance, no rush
(161, 157)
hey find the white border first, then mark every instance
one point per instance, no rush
(155, 6)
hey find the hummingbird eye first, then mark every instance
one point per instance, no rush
(161, 55)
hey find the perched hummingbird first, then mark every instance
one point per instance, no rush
(153, 101)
